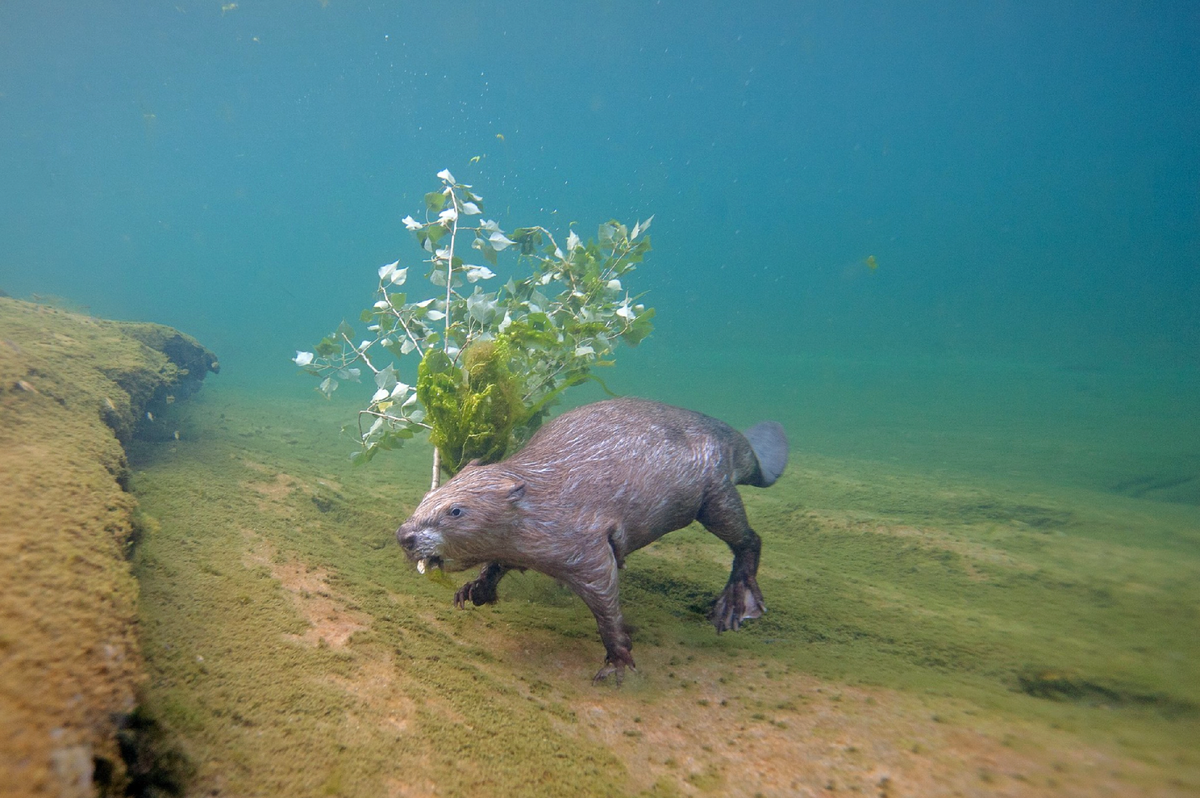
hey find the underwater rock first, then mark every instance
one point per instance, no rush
(72, 389)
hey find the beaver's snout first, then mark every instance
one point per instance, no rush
(421, 545)
(407, 538)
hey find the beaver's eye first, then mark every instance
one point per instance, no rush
(456, 511)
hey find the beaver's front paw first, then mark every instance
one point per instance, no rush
(478, 591)
(739, 602)
(616, 662)
(481, 590)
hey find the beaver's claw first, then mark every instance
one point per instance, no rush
(481, 590)
(740, 601)
(478, 591)
(615, 662)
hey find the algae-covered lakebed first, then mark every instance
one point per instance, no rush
(925, 635)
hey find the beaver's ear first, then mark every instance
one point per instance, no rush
(517, 491)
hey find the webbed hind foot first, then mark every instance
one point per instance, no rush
(615, 662)
(740, 601)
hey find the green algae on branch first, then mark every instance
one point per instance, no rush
(549, 329)
(472, 410)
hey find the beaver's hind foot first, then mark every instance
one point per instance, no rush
(740, 601)
(615, 662)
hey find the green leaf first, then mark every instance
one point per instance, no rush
(499, 241)
(435, 201)
(570, 382)
(386, 377)
(481, 307)
(437, 362)
(327, 347)
(429, 237)
(528, 239)
(344, 329)
(640, 328)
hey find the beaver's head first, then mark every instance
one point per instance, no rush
(463, 522)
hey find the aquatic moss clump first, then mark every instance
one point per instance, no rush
(471, 410)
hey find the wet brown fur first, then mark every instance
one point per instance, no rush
(590, 487)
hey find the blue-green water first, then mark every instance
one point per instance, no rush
(991, 519)
(1027, 179)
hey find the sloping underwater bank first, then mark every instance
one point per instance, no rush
(926, 636)
(72, 390)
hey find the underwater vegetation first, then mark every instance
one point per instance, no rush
(527, 342)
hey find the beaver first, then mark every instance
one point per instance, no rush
(590, 487)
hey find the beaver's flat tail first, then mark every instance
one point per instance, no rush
(770, 445)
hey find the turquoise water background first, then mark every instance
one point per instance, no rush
(1027, 177)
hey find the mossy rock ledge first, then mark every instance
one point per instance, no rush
(73, 389)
